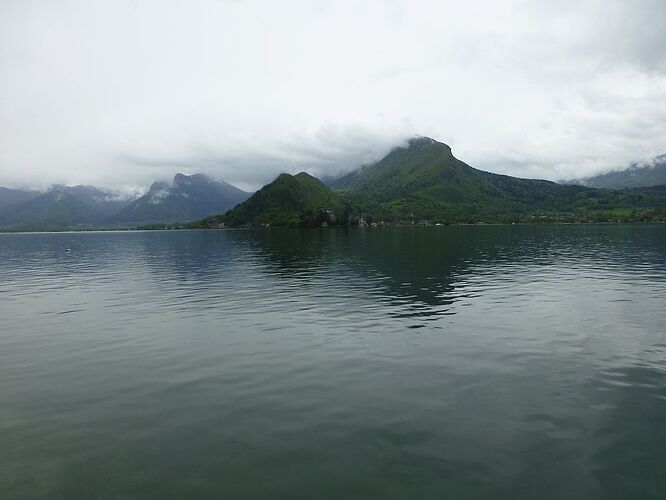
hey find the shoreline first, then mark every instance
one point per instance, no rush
(369, 227)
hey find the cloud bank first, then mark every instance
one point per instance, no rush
(122, 93)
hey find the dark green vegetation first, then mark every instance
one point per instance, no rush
(290, 200)
(424, 183)
(637, 175)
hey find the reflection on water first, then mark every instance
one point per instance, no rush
(462, 362)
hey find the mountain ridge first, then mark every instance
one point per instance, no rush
(188, 197)
(419, 181)
(63, 206)
(648, 174)
(87, 207)
(424, 181)
(425, 178)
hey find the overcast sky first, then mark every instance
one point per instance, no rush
(120, 93)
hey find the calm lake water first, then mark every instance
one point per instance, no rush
(443, 362)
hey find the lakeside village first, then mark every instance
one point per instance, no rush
(326, 219)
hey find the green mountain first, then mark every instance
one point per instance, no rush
(425, 181)
(637, 175)
(186, 198)
(290, 200)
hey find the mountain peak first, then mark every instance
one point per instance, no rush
(182, 179)
(187, 197)
(304, 175)
(158, 185)
(290, 200)
(421, 141)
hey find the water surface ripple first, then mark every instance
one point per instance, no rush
(453, 362)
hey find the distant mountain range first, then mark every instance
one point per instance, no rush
(637, 175)
(421, 182)
(13, 197)
(187, 198)
(60, 207)
(424, 182)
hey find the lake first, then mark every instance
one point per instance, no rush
(440, 362)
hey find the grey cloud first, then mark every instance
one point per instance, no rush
(251, 162)
(635, 33)
(122, 93)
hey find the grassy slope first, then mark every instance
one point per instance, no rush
(426, 180)
(290, 200)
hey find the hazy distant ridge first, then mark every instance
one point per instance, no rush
(187, 198)
(637, 175)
